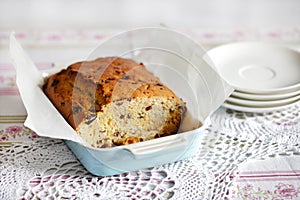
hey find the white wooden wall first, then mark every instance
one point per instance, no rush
(124, 14)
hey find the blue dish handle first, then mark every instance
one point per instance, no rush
(152, 148)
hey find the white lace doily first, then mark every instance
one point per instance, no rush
(33, 167)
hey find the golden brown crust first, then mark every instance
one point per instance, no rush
(81, 90)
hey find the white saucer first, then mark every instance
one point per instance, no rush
(258, 109)
(257, 67)
(258, 103)
(265, 96)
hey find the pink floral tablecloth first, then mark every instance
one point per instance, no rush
(273, 178)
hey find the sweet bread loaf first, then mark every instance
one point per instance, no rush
(114, 101)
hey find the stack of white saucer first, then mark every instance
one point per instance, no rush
(265, 77)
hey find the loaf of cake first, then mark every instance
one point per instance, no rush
(114, 101)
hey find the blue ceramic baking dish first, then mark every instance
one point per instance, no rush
(122, 159)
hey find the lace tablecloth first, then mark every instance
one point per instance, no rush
(33, 167)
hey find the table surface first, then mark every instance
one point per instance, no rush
(241, 156)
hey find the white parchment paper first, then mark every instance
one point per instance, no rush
(166, 53)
